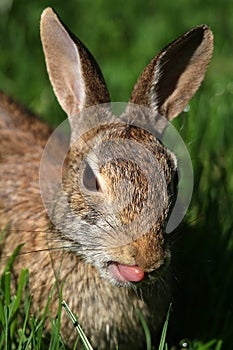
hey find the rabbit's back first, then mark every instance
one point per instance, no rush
(23, 137)
(22, 216)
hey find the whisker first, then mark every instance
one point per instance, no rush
(26, 231)
(39, 251)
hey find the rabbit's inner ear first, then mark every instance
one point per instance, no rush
(74, 74)
(171, 78)
(63, 63)
(180, 71)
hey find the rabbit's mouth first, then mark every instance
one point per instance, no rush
(125, 273)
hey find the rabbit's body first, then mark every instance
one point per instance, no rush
(84, 289)
(91, 240)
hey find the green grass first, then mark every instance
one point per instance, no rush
(19, 329)
(124, 36)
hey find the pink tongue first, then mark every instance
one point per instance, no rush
(131, 273)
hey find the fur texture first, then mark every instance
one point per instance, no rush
(100, 219)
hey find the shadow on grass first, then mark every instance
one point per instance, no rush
(203, 306)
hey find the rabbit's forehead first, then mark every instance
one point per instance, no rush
(124, 142)
(112, 131)
(136, 168)
(131, 157)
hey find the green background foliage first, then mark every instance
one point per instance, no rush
(124, 36)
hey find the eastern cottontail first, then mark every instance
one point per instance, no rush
(105, 231)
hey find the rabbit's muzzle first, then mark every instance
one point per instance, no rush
(147, 254)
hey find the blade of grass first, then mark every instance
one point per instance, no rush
(77, 326)
(1, 313)
(23, 280)
(219, 345)
(164, 331)
(56, 325)
(23, 331)
(7, 287)
(145, 328)
(12, 258)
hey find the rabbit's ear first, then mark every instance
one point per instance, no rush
(75, 76)
(171, 78)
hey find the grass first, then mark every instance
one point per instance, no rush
(19, 329)
(125, 37)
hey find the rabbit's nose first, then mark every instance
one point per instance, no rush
(149, 251)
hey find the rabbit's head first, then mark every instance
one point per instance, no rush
(120, 184)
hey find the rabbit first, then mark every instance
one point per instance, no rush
(98, 242)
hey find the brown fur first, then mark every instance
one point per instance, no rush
(53, 252)
(22, 208)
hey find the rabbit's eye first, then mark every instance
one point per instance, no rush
(90, 181)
